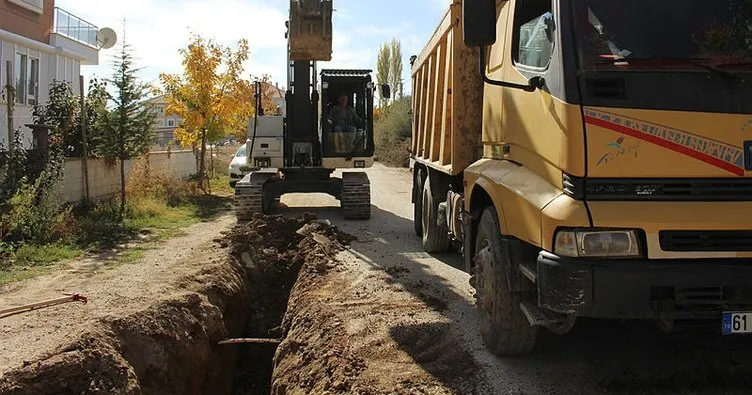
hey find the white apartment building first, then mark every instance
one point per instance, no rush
(41, 43)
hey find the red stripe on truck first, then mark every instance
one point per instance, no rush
(666, 144)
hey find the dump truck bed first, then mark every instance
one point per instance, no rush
(447, 99)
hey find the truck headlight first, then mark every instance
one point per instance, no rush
(597, 243)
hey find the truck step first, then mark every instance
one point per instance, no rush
(540, 317)
(528, 272)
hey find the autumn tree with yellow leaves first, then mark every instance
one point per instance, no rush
(211, 96)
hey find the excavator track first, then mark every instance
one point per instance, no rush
(249, 197)
(356, 196)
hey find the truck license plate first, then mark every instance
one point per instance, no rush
(737, 323)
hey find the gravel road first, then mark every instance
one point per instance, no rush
(597, 357)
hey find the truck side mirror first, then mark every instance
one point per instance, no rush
(386, 91)
(479, 22)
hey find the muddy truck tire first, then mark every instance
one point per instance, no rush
(503, 326)
(418, 202)
(435, 236)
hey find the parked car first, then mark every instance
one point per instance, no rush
(239, 160)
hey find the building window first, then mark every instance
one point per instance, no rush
(33, 82)
(20, 74)
(27, 80)
(33, 5)
(171, 122)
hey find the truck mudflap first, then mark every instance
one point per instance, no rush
(644, 289)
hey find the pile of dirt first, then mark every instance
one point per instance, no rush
(279, 245)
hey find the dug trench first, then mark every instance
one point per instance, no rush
(277, 253)
(173, 344)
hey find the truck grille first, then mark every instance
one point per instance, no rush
(644, 189)
(721, 240)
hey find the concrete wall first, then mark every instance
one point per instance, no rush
(105, 182)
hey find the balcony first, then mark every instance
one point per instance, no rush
(76, 35)
(75, 28)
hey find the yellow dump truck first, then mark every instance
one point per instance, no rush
(590, 158)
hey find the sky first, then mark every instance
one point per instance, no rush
(157, 29)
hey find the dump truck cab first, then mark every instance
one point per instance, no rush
(616, 169)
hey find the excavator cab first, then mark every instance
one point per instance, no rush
(355, 138)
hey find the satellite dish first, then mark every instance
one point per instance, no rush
(106, 38)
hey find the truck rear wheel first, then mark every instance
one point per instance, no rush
(435, 236)
(503, 325)
(418, 205)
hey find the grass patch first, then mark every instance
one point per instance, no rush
(131, 256)
(14, 274)
(151, 213)
(220, 186)
(34, 255)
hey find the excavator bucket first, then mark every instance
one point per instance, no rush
(310, 30)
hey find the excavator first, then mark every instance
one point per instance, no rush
(300, 151)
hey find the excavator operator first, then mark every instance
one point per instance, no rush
(343, 117)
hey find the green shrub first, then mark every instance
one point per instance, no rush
(30, 211)
(393, 133)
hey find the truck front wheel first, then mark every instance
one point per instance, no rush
(503, 325)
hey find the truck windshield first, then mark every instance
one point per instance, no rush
(673, 33)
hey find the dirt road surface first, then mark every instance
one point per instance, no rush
(415, 313)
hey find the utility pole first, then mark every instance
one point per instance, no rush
(11, 96)
(84, 144)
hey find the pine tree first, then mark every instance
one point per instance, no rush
(128, 128)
